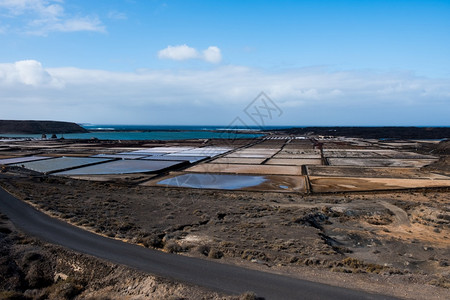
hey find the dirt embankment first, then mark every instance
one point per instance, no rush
(443, 150)
(39, 127)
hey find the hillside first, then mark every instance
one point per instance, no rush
(39, 127)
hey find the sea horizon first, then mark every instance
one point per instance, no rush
(131, 127)
(172, 132)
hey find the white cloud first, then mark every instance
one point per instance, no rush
(41, 7)
(218, 95)
(40, 17)
(76, 24)
(212, 55)
(184, 52)
(181, 52)
(27, 73)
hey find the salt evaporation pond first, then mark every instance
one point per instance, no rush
(16, 160)
(123, 167)
(214, 181)
(60, 163)
(191, 159)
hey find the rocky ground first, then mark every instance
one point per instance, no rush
(32, 269)
(391, 242)
(394, 238)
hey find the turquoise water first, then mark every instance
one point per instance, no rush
(177, 127)
(146, 135)
(154, 132)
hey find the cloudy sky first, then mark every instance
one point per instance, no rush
(203, 62)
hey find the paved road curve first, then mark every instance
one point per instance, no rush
(216, 276)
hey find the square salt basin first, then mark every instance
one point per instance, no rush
(128, 178)
(247, 155)
(191, 159)
(147, 153)
(353, 154)
(236, 160)
(293, 161)
(205, 151)
(120, 156)
(127, 149)
(245, 169)
(66, 154)
(267, 145)
(16, 160)
(124, 167)
(265, 152)
(60, 163)
(409, 155)
(173, 149)
(209, 154)
(297, 156)
(372, 172)
(40, 146)
(343, 184)
(142, 153)
(234, 182)
(269, 151)
(301, 151)
(216, 148)
(303, 146)
(157, 151)
(374, 162)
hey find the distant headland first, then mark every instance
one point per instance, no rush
(39, 127)
(392, 132)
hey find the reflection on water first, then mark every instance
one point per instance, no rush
(213, 181)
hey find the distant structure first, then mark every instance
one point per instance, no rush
(43, 136)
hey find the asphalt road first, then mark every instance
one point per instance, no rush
(212, 275)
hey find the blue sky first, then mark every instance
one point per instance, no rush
(203, 62)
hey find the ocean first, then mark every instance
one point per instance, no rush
(156, 132)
